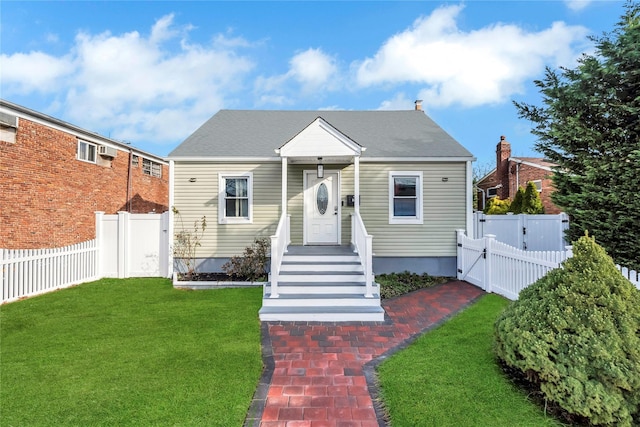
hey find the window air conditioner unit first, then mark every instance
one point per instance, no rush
(105, 151)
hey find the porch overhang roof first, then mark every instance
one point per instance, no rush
(320, 139)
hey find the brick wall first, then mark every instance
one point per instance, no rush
(48, 197)
(525, 173)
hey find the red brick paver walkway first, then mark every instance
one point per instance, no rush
(321, 374)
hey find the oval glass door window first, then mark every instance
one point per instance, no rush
(322, 198)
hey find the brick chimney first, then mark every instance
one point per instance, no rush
(503, 152)
(418, 104)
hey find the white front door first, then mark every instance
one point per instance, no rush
(321, 208)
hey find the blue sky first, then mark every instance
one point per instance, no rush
(151, 72)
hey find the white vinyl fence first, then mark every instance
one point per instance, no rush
(631, 275)
(29, 272)
(527, 232)
(126, 245)
(497, 267)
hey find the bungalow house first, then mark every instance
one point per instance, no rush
(54, 176)
(341, 195)
(513, 172)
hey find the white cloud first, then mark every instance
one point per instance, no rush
(135, 87)
(25, 73)
(471, 68)
(313, 68)
(398, 102)
(577, 5)
(310, 71)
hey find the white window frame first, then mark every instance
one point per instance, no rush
(417, 219)
(222, 184)
(538, 184)
(491, 196)
(151, 168)
(87, 144)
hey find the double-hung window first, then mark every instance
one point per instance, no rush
(405, 197)
(149, 167)
(235, 198)
(86, 151)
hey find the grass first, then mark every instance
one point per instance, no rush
(130, 352)
(449, 377)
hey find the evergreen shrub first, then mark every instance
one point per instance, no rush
(531, 202)
(496, 206)
(575, 333)
(516, 204)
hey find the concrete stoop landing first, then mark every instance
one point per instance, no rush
(321, 284)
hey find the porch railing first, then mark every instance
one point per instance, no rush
(363, 245)
(279, 243)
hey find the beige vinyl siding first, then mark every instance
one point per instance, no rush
(195, 199)
(444, 209)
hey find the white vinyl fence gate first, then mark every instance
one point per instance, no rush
(126, 245)
(526, 232)
(497, 267)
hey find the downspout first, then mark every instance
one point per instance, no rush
(129, 181)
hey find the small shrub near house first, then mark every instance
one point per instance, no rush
(496, 206)
(396, 284)
(516, 204)
(252, 264)
(575, 334)
(531, 202)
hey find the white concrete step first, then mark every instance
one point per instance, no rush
(324, 284)
(321, 258)
(320, 267)
(323, 276)
(321, 288)
(314, 300)
(322, 314)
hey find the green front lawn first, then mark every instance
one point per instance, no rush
(130, 352)
(449, 377)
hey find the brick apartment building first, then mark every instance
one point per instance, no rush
(512, 172)
(54, 176)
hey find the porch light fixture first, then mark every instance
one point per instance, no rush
(320, 170)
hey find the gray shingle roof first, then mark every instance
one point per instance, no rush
(257, 133)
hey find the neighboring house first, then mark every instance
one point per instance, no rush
(513, 172)
(54, 176)
(396, 172)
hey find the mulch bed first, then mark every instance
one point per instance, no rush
(211, 277)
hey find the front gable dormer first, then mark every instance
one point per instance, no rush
(320, 139)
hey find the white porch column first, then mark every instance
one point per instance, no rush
(284, 185)
(356, 184)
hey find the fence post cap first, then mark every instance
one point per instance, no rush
(490, 236)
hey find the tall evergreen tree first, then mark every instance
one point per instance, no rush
(589, 125)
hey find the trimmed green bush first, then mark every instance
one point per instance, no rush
(531, 202)
(516, 204)
(496, 206)
(576, 334)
